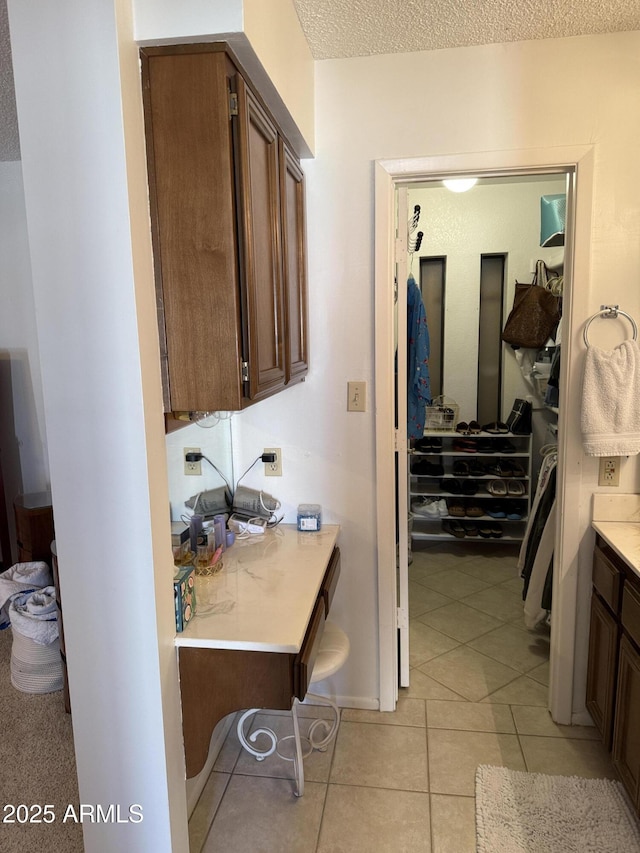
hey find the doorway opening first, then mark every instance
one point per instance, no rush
(393, 180)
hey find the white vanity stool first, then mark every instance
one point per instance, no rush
(332, 654)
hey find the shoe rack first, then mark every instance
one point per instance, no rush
(470, 488)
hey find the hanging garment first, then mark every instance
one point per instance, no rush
(418, 381)
(537, 601)
(548, 466)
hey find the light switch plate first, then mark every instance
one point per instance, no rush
(356, 396)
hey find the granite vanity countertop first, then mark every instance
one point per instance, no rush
(617, 519)
(263, 597)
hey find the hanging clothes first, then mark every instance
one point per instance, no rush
(418, 381)
(536, 553)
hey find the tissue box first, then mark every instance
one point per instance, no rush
(184, 593)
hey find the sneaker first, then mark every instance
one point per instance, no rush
(426, 507)
(443, 509)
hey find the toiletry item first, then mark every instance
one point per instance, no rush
(309, 517)
(195, 529)
(230, 538)
(184, 593)
(219, 524)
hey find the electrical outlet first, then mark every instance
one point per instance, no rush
(273, 469)
(192, 469)
(609, 474)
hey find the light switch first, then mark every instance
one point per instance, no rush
(356, 396)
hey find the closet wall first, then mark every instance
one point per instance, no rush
(497, 216)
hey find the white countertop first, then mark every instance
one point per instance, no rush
(263, 597)
(617, 519)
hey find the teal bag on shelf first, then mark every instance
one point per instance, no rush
(553, 213)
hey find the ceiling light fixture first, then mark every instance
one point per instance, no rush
(460, 185)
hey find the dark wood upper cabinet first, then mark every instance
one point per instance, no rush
(227, 213)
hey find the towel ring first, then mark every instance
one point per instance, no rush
(610, 311)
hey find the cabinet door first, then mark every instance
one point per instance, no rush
(261, 269)
(626, 734)
(601, 672)
(295, 264)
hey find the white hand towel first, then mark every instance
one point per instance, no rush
(35, 615)
(611, 401)
(22, 577)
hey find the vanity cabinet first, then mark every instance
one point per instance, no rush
(613, 675)
(228, 227)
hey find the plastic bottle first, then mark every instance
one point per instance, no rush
(219, 524)
(195, 527)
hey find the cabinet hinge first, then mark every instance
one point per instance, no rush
(233, 104)
(403, 622)
(245, 370)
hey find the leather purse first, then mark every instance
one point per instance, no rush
(535, 313)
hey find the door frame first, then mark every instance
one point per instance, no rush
(389, 174)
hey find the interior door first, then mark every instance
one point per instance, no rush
(402, 487)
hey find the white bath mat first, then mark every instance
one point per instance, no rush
(520, 812)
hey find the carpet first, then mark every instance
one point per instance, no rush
(520, 812)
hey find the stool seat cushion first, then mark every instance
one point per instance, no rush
(333, 652)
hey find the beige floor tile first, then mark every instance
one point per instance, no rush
(316, 765)
(453, 824)
(381, 756)
(510, 645)
(228, 755)
(455, 755)
(522, 691)
(409, 712)
(422, 599)
(470, 716)
(444, 555)
(564, 757)
(426, 643)
(205, 810)
(363, 820)
(420, 570)
(497, 601)
(515, 585)
(421, 686)
(540, 673)
(455, 584)
(264, 815)
(469, 673)
(459, 621)
(537, 721)
(491, 571)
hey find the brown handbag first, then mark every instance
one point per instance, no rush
(535, 313)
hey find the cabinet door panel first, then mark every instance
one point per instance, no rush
(601, 673)
(258, 185)
(295, 263)
(626, 735)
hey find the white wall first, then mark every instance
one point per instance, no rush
(22, 425)
(82, 142)
(498, 97)
(491, 218)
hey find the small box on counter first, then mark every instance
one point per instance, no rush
(179, 533)
(184, 593)
(309, 517)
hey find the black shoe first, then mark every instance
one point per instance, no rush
(469, 487)
(450, 485)
(454, 528)
(427, 468)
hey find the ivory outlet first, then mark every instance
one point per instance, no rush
(273, 469)
(609, 474)
(192, 469)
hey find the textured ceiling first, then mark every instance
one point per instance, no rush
(336, 29)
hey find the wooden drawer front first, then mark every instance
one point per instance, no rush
(607, 578)
(303, 666)
(631, 612)
(330, 581)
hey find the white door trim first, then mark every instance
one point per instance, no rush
(572, 511)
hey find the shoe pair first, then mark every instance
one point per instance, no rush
(465, 445)
(430, 507)
(428, 445)
(495, 428)
(488, 531)
(465, 428)
(425, 467)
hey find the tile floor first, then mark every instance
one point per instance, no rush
(404, 781)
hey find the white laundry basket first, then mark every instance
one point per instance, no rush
(35, 668)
